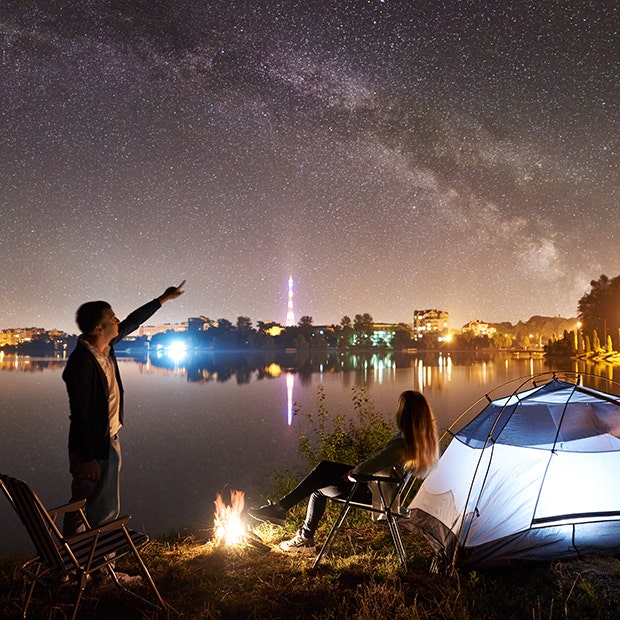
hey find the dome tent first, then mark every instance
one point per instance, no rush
(534, 476)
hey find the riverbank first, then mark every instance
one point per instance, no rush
(361, 579)
(612, 358)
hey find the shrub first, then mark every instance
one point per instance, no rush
(333, 438)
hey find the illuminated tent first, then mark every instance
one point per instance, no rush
(534, 476)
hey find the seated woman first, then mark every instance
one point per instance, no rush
(414, 447)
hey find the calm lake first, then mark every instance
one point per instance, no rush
(195, 427)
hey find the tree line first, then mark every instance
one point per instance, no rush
(598, 333)
(222, 334)
(598, 313)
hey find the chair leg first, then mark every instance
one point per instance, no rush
(83, 580)
(34, 578)
(28, 598)
(332, 533)
(385, 510)
(397, 538)
(160, 605)
(147, 575)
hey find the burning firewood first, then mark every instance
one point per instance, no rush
(229, 525)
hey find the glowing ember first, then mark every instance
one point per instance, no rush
(228, 525)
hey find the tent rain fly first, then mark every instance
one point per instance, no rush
(534, 476)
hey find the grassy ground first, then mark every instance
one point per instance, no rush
(362, 578)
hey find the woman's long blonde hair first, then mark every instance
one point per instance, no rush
(415, 419)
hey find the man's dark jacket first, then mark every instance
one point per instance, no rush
(87, 386)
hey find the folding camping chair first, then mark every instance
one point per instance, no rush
(61, 560)
(389, 509)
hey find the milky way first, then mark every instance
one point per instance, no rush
(388, 155)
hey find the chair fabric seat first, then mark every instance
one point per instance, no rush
(401, 513)
(113, 543)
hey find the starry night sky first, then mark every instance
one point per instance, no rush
(389, 155)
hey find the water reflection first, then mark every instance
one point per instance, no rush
(290, 382)
(246, 367)
(431, 372)
(428, 374)
(439, 375)
(25, 363)
(431, 369)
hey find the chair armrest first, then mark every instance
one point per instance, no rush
(374, 478)
(72, 507)
(117, 524)
(114, 525)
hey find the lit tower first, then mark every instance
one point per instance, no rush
(290, 315)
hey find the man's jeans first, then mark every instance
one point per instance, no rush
(102, 497)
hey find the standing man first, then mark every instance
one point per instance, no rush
(96, 405)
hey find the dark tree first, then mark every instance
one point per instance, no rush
(305, 321)
(225, 335)
(363, 326)
(345, 333)
(402, 337)
(246, 334)
(598, 309)
(244, 324)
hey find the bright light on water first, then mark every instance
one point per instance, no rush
(177, 351)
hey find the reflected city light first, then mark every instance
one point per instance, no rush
(383, 368)
(176, 351)
(445, 366)
(290, 381)
(420, 374)
(273, 370)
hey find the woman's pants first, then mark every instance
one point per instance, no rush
(327, 479)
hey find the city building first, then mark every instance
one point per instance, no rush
(478, 328)
(431, 321)
(272, 329)
(150, 330)
(383, 333)
(199, 323)
(11, 337)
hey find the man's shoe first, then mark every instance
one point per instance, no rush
(128, 580)
(271, 513)
(299, 544)
(104, 583)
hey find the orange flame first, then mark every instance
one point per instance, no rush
(228, 525)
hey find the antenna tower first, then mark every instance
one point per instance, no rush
(290, 315)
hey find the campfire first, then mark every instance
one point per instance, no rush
(229, 525)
